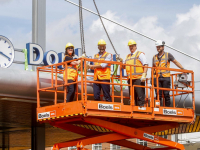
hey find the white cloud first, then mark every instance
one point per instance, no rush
(193, 13)
(66, 29)
(184, 35)
(13, 9)
(110, 27)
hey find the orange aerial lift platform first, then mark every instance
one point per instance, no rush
(114, 122)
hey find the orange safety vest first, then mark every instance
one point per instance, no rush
(72, 72)
(162, 63)
(134, 60)
(102, 73)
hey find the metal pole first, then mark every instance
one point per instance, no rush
(38, 37)
(18, 50)
(39, 24)
(34, 20)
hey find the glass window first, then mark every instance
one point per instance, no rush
(142, 142)
(163, 136)
(97, 146)
(72, 148)
(112, 146)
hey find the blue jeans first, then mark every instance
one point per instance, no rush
(106, 90)
(164, 82)
(71, 91)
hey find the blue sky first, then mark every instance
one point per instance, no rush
(15, 15)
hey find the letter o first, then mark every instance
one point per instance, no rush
(50, 57)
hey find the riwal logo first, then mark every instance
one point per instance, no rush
(169, 112)
(109, 107)
(148, 136)
(47, 115)
(180, 112)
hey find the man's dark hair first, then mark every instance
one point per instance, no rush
(66, 53)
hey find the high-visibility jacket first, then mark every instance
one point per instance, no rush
(134, 60)
(162, 63)
(102, 73)
(72, 72)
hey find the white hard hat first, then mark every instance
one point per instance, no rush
(160, 43)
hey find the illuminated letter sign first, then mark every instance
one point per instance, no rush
(50, 57)
(37, 49)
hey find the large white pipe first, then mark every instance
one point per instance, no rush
(23, 84)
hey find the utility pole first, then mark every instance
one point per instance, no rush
(38, 37)
(39, 24)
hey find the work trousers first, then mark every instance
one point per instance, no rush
(139, 92)
(164, 82)
(71, 91)
(106, 90)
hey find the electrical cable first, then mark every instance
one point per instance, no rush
(123, 82)
(179, 99)
(104, 27)
(116, 66)
(133, 31)
(184, 101)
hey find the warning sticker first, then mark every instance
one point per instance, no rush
(156, 109)
(142, 108)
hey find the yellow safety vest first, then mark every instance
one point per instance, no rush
(72, 72)
(162, 63)
(102, 73)
(134, 60)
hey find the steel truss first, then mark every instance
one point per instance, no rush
(119, 135)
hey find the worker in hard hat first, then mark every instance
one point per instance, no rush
(102, 72)
(138, 73)
(72, 72)
(163, 59)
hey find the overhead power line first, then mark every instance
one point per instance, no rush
(133, 30)
(81, 27)
(104, 27)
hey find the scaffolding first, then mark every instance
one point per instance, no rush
(113, 122)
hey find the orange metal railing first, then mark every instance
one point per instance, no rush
(150, 97)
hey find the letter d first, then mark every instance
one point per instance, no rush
(37, 49)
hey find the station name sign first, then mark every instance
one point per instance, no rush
(36, 55)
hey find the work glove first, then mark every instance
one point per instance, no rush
(143, 78)
(87, 66)
(118, 58)
(83, 55)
